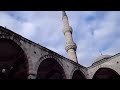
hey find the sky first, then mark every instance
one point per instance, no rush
(94, 32)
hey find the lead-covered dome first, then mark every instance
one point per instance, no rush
(102, 57)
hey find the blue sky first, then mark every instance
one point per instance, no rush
(93, 31)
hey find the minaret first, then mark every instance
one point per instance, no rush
(70, 46)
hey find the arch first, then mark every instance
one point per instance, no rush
(106, 73)
(77, 74)
(13, 38)
(13, 60)
(44, 58)
(48, 67)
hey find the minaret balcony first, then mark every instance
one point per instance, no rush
(67, 29)
(70, 46)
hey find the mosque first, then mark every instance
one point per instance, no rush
(21, 58)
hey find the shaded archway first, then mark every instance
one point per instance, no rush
(78, 75)
(13, 61)
(50, 69)
(106, 73)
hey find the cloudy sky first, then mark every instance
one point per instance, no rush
(93, 31)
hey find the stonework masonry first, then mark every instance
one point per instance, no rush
(36, 54)
(42, 53)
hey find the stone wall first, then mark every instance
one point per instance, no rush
(36, 53)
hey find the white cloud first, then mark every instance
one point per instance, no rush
(9, 22)
(101, 32)
(28, 30)
(105, 36)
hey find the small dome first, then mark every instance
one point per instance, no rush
(102, 57)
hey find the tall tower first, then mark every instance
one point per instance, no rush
(70, 46)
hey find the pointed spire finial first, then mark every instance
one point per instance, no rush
(64, 13)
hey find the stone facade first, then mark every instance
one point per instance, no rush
(112, 63)
(36, 54)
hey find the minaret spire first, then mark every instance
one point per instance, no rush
(70, 46)
(64, 13)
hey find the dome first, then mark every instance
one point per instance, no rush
(102, 57)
